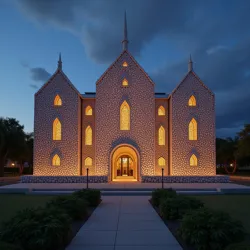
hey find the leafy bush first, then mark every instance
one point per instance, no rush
(210, 230)
(75, 207)
(92, 196)
(175, 207)
(7, 246)
(239, 246)
(40, 229)
(159, 194)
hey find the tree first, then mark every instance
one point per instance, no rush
(244, 142)
(12, 141)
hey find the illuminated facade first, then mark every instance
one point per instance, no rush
(124, 130)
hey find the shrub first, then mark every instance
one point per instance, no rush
(175, 207)
(75, 207)
(92, 196)
(40, 229)
(210, 230)
(238, 246)
(159, 194)
(7, 246)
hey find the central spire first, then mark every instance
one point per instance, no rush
(190, 64)
(125, 39)
(59, 64)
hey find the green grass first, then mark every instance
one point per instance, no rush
(238, 206)
(11, 203)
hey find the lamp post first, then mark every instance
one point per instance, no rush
(87, 178)
(162, 182)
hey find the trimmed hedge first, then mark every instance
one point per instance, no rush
(174, 208)
(75, 207)
(40, 229)
(159, 194)
(92, 196)
(7, 246)
(207, 229)
(239, 246)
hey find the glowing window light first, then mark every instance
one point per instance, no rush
(193, 161)
(124, 116)
(57, 101)
(192, 130)
(57, 130)
(161, 161)
(125, 64)
(88, 161)
(124, 82)
(88, 110)
(56, 160)
(161, 136)
(88, 136)
(161, 111)
(192, 101)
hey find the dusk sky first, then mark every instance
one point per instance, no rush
(161, 33)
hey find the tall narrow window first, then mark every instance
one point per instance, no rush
(161, 162)
(192, 130)
(57, 101)
(88, 136)
(57, 130)
(124, 116)
(125, 64)
(56, 160)
(124, 82)
(88, 161)
(193, 161)
(161, 111)
(192, 101)
(88, 110)
(161, 136)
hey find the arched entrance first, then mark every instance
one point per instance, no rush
(124, 163)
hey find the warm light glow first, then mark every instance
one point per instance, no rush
(88, 136)
(13, 164)
(161, 111)
(161, 136)
(125, 64)
(57, 130)
(58, 101)
(161, 161)
(88, 161)
(56, 160)
(88, 110)
(125, 116)
(193, 161)
(192, 101)
(192, 130)
(125, 82)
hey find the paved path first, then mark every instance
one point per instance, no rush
(124, 223)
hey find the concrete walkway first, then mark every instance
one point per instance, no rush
(124, 222)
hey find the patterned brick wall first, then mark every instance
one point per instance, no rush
(161, 151)
(88, 150)
(140, 96)
(69, 115)
(181, 114)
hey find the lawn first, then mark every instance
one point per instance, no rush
(238, 206)
(11, 203)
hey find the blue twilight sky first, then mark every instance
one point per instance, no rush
(162, 34)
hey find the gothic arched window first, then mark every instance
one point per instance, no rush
(192, 101)
(192, 130)
(161, 111)
(88, 161)
(88, 110)
(57, 101)
(57, 130)
(124, 82)
(124, 116)
(125, 64)
(56, 160)
(161, 136)
(193, 161)
(161, 162)
(88, 136)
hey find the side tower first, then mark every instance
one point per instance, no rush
(57, 127)
(192, 127)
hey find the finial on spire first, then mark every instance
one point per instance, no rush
(125, 39)
(190, 64)
(59, 65)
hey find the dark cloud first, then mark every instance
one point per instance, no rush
(215, 32)
(39, 74)
(34, 86)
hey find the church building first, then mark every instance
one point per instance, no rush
(125, 131)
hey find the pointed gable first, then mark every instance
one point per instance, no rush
(123, 54)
